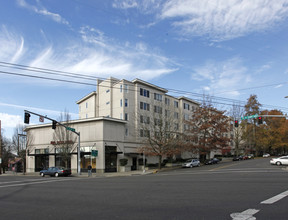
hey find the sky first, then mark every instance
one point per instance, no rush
(225, 49)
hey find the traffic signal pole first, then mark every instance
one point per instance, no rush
(54, 122)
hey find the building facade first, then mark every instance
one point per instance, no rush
(113, 122)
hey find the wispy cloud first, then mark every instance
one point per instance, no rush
(43, 11)
(223, 20)
(222, 76)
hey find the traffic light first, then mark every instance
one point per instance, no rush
(54, 124)
(260, 121)
(236, 123)
(26, 118)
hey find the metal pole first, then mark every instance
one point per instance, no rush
(144, 162)
(79, 158)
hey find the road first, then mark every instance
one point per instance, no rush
(251, 189)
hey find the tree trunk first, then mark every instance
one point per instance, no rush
(159, 161)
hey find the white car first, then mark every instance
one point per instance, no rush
(279, 161)
(266, 155)
(191, 163)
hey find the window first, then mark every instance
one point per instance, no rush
(158, 97)
(144, 92)
(145, 106)
(126, 117)
(86, 104)
(126, 132)
(186, 117)
(121, 103)
(176, 115)
(144, 119)
(121, 88)
(158, 109)
(126, 88)
(108, 90)
(107, 103)
(126, 102)
(144, 133)
(121, 115)
(176, 126)
(175, 104)
(186, 106)
(167, 113)
(167, 101)
(158, 122)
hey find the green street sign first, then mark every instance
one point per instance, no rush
(249, 116)
(70, 129)
(94, 153)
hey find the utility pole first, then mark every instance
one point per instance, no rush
(0, 149)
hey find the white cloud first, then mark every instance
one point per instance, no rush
(224, 76)
(10, 121)
(223, 20)
(42, 11)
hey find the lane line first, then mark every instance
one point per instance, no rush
(39, 182)
(245, 215)
(275, 198)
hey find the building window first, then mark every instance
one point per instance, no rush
(108, 90)
(158, 122)
(144, 92)
(176, 126)
(158, 97)
(86, 115)
(126, 132)
(86, 104)
(176, 115)
(144, 119)
(121, 88)
(167, 113)
(158, 109)
(107, 103)
(186, 117)
(121, 115)
(145, 106)
(126, 117)
(144, 133)
(186, 106)
(167, 101)
(126, 102)
(175, 104)
(121, 103)
(125, 88)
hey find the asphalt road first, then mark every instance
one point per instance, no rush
(233, 190)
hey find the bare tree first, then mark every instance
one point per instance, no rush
(160, 130)
(64, 140)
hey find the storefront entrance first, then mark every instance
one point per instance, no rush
(110, 159)
(41, 162)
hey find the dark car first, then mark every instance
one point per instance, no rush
(211, 161)
(56, 171)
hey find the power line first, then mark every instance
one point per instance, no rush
(93, 78)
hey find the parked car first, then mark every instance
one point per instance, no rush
(266, 155)
(191, 163)
(279, 161)
(236, 158)
(250, 156)
(211, 161)
(56, 171)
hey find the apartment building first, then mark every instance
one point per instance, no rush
(112, 121)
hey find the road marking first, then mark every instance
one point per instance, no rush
(39, 182)
(218, 168)
(275, 198)
(245, 215)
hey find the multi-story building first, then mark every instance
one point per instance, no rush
(111, 121)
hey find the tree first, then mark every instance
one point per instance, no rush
(252, 107)
(236, 113)
(160, 130)
(64, 140)
(208, 129)
(6, 152)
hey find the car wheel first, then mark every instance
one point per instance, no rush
(56, 174)
(42, 174)
(278, 163)
(191, 166)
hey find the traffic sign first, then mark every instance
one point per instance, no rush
(249, 116)
(94, 153)
(70, 129)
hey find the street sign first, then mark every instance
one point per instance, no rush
(70, 129)
(249, 116)
(94, 153)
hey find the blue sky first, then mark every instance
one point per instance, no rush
(227, 49)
